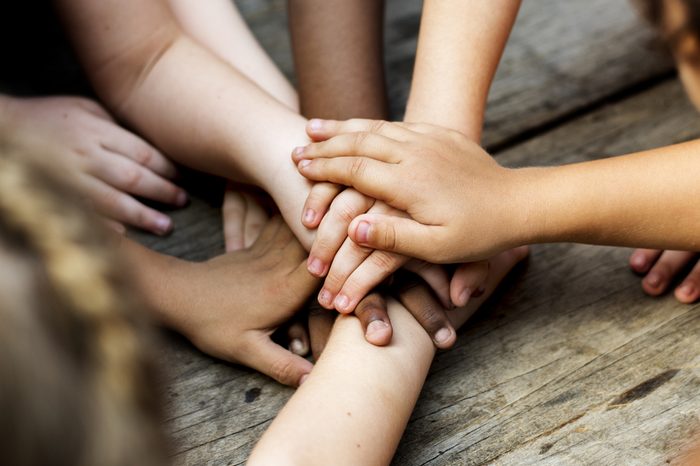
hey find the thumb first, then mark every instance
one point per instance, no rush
(274, 361)
(389, 233)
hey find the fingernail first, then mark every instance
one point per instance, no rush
(341, 302)
(324, 297)
(479, 291)
(653, 279)
(309, 216)
(638, 261)
(315, 266)
(163, 224)
(688, 289)
(363, 232)
(443, 335)
(303, 164)
(181, 199)
(376, 326)
(296, 346)
(303, 379)
(464, 297)
(299, 150)
(315, 124)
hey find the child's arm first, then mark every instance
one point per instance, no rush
(355, 404)
(459, 47)
(201, 111)
(632, 200)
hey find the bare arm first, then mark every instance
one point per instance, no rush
(201, 111)
(337, 48)
(459, 47)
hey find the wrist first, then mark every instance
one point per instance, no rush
(528, 217)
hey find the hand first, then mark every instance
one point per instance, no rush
(352, 271)
(662, 268)
(113, 164)
(463, 205)
(230, 306)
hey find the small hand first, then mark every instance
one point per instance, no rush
(351, 271)
(113, 164)
(230, 306)
(662, 268)
(461, 202)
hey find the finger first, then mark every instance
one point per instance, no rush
(665, 270)
(275, 361)
(233, 211)
(427, 310)
(95, 108)
(255, 219)
(374, 146)
(689, 290)
(468, 280)
(320, 325)
(348, 258)
(374, 270)
(320, 130)
(298, 339)
(396, 234)
(130, 177)
(434, 275)
(334, 229)
(130, 145)
(375, 179)
(318, 202)
(121, 207)
(641, 260)
(373, 315)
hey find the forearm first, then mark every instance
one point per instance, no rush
(355, 404)
(459, 47)
(218, 26)
(639, 200)
(337, 47)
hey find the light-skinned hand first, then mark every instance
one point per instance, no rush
(458, 197)
(114, 165)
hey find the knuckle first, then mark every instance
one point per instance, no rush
(357, 168)
(131, 177)
(377, 126)
(143, 155)
(430, 317)
(359, 141)
(384, 261)
(388, 238)
(283, 370)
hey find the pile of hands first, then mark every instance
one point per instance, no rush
(390, 203)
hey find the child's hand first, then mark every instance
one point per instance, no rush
(463, 205)
(113, 164)
(662, 268)
(229, 306)
(352, 271)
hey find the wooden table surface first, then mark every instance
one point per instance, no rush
(570, 363)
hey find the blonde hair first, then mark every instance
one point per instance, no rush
(76, 384)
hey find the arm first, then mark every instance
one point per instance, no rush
(639, 199)
(201, 111)
(459, 47)
(357, 401)
(218, 26)
(338, 57)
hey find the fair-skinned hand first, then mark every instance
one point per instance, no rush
(230, 306)
(458, 198)
(352, 271)
(113, 164)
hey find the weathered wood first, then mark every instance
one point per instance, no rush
(572, 363)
